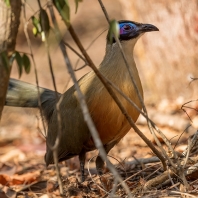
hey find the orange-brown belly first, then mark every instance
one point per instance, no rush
(111, 124)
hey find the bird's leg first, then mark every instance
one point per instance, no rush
(99, 164)
(82, 156)
(99, 161)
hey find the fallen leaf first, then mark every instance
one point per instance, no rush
(12, 155)
(4, 179)
(25, 178)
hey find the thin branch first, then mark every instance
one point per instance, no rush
(80, 67)
(104, 11)
(113, 95)
(71, 48)
(191, 144)
(193, 79)
(144, 161)
(34, 64)
(92, 42)
(85, 110)
(158, 180)
(184, 106)
(147, 177)
(141, 100)
(181, 136)
(89, 121)
(54, 148)
(115, 186)
(182, 194)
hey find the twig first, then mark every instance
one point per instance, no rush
(193, 79)
(85, 110)
(165, 175)
(181, 135)
(146, 178)
(144, 161)
(193, 182)
(191, 108)
(142, 103)
(191, 144)
(158, 180)
(104, 11)
(139, 172)
(34, 64)
(71, 48)
(54, 148)
(92, 42)
(192, 169)
(149, 123)
(90, 123)
(173, 186)
(171, 180)
(80, 67)
(113, 191)
(113, 95)
(184, 106)
(181, 193)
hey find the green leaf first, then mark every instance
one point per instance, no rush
(26, 63)
(63, 7)
(65, 12)
(36, 24)
(45, 25)
(19, 61)
(7, 3)
(5, 60)
(76, 2)
(113, 30)
(59, 4)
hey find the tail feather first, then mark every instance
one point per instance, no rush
(22, 94)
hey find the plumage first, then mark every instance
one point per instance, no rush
(111, 124)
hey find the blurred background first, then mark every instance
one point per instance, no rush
(166, 60)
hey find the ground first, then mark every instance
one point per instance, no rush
(23, 171)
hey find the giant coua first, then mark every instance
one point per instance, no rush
(111, 124)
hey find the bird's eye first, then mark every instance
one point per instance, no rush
(127, 27)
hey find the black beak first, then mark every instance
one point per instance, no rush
(146, 28)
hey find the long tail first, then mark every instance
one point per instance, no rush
(22, 94)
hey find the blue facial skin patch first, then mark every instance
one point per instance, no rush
(128, 30)
(131, 30)
(125, 28)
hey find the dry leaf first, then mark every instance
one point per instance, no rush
(4, 179)
(11, 155)
(26, 178)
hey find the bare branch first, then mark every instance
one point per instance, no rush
(71, 48)
(34, 64)
(104, 10)
(144, 108)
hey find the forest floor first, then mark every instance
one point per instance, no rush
(23, 172)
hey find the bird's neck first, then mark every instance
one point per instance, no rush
(113, 65)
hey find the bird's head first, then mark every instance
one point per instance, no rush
(129, 30)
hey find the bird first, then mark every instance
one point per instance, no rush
(111, 124)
